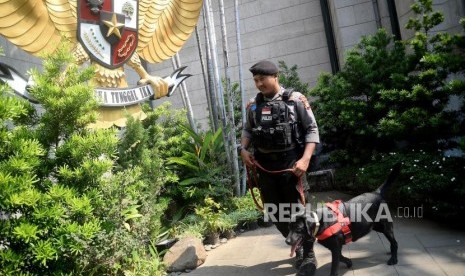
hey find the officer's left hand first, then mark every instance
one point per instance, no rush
(301, 166)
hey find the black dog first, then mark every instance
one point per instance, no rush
(361, 214)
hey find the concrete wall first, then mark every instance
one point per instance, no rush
(288, 30)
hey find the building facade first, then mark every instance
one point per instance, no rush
(312, 34)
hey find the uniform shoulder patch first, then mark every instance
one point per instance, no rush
(304, 100)
(250, 103)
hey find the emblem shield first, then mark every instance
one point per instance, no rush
(108, 30)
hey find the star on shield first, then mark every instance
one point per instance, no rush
(111, 26)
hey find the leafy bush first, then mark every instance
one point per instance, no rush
(385, 99)
(289, 78)
(432, 180)
(210, 214)
(66, 207)
(49, 220)
(202, 168)
(244, 208)
(401, 97)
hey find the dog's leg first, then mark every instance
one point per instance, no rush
(335, 254)
(389, 233)
(335, 247)
(346, 260)
(309, 263)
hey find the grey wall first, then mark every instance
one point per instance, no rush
(290, 30)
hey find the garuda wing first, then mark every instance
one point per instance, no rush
(164, 27)
(38, 26)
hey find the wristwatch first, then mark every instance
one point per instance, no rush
(240, 148)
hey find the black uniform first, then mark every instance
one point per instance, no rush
(278, 129)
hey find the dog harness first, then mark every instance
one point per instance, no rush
(342, 224)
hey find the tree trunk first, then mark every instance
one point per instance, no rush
(241, 82)
(219, 85)
(230, 116)
(176, 61)
(210, 73)
(205, 78)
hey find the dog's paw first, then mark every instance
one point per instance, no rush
(308, 267)
(392, 261)
(348, 263)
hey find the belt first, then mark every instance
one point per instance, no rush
(275, 156)
(267, 151)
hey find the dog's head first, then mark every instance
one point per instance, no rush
(303, 226)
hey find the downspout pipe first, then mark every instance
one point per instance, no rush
(329, 32)
(394, 19)
(377, 16)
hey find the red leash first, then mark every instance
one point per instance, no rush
(252, 176)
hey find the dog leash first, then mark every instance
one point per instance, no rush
(253, 176)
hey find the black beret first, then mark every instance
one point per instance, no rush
(264, 67)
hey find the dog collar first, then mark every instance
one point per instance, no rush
(317, 223)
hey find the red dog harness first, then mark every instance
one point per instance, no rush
(342, 224)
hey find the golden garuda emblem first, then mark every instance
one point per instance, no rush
(109, 33)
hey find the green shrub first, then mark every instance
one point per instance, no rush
(202, 168)
(432, 180)
(69, 209)
(388, 97)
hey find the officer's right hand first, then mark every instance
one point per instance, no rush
(247, 158)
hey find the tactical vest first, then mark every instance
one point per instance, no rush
(275, 129)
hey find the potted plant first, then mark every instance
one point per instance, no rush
(210, 215)
(227, 224)
(247, 213)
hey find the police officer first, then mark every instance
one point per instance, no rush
(280, 133)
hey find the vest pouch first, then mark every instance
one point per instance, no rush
(282, 136)
(297, 132)
(263, 137)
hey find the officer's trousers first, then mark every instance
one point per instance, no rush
(282, 189)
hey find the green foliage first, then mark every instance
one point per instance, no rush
(432, 180)
(202, 167)
(392, 99)
(289, 78)
(147, 264)
(47, 222)
(349, 105)
(210, 213)
(244, 208)
(69, 209)
(64, 91)
(425, 19)
(165, 135)
(384, 97)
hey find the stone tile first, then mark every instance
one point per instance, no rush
(442, 239)
(448, 254)
(425, 269)
(454, 269)
(373, 268)
(272, 268)
(411, 251)
(425, 248)
(215, 270)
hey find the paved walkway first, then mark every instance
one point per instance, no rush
(425, 248)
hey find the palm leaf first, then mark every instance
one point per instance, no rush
(183, 162)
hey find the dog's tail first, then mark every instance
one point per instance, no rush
(391, 178)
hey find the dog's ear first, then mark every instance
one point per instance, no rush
(309, 223)
(299, 214)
